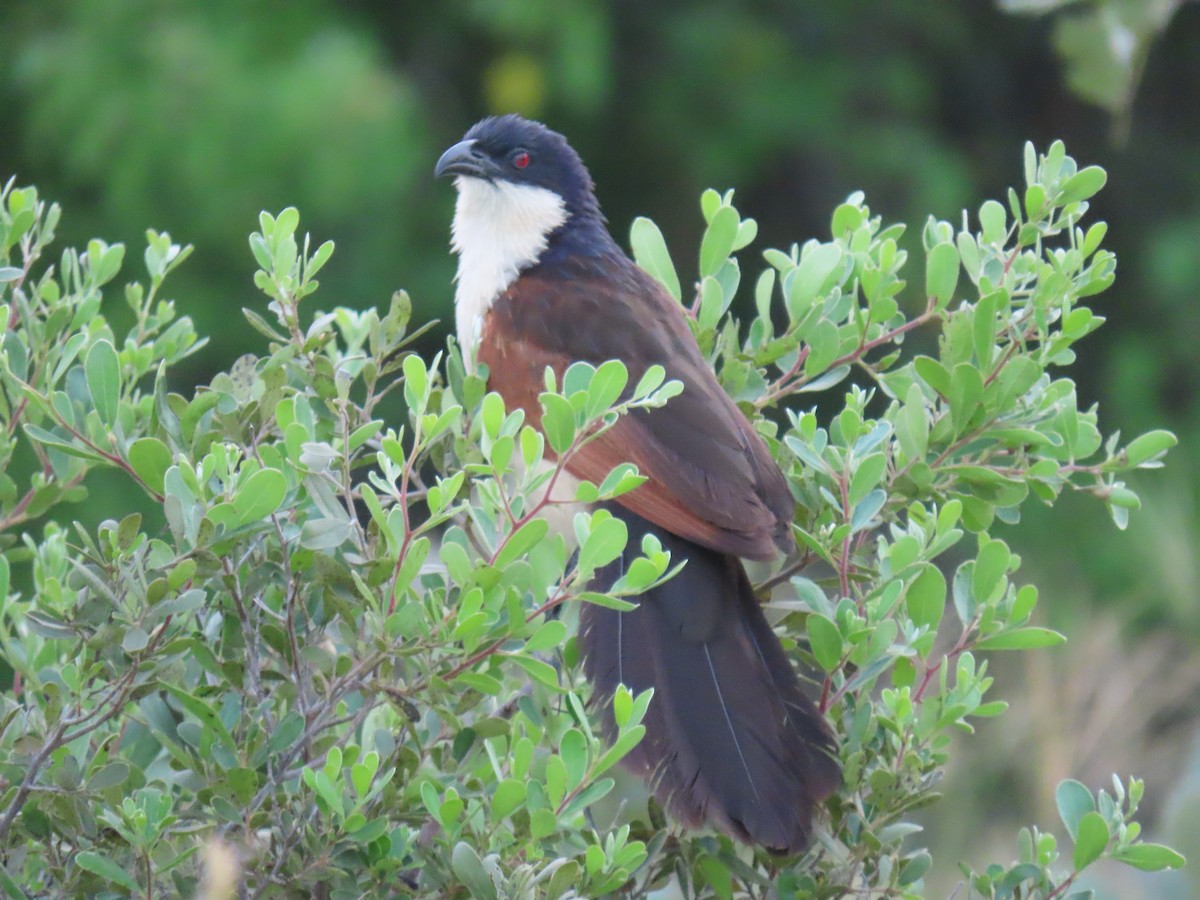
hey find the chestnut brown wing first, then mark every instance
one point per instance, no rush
(711, 477)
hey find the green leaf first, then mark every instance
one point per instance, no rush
(718, 239)
(69, 351)
(622, 479)
(1090, 840)
(1030, 638)
(1074, 801)
(606, 386)
(650, 381)
(469, 868)
(491, 414)
(1024, 602)
(984, 329)
(261, 325)
(867, 476)
(370, 832)
(712, 303)
(485, 684)
(912, 425)
(318, 259)
(244, 783)
(262, 253)
(941, 274)
(106, 868)
(826, 381)
(621, 746)
(1031, 163)
(1093, 238)
(452, 808)
(324, 534)
(1149, 446)
(48, 626)
(104, 262)
(1035, 201)
(968, 251)
(1082, 185)
(815, 267)
(926, 597)
(103, 371)
(558, 422)
(501, 453)
(509, 794)
(363, 773)
(826, 641)
(846, 217)
(573, 750)
(111, 775)
(915, 867)
(260, 496)
(207, 716)
(715, 872)
(933, 373)
(589, 795)
(135, 640)
(866, 511)
(993, 221)
(550, 635)
(287, 222)
(607, 602)
(1150, 857)
(522, 541)
(622, 705)
(416, 382)
(746, 233)
(150, 459)
(651, 253)
(42, 436)
(604, 544)
(289, 729)
(823, 345)
(556, 780)
(966, 388)
(990, 568)
(987, 710)
(538, 670)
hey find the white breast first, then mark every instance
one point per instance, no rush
(499, 229)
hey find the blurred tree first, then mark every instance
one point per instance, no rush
(193, 117)
(1104, 45)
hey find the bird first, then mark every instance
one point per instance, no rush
(732, 740)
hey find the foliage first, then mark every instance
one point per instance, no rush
(339, 666)
(1104, 46)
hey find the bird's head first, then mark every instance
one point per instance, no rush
(521, 188)
(522, 158)
(524, 199)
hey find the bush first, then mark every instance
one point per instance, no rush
(331, 662)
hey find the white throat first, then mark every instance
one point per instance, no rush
(499, 229)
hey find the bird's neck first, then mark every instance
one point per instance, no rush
(499, 229)
(502, 229)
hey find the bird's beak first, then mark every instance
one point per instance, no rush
(465, 159)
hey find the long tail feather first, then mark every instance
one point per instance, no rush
(731, 738)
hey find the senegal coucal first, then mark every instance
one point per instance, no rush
(731, 738)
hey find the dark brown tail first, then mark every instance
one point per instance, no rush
(731, 738)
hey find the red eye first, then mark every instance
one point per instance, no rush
(520, 159)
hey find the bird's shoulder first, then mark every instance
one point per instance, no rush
(711, 475)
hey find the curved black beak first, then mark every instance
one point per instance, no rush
(464, 158)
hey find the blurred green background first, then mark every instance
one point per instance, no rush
(191, 117)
